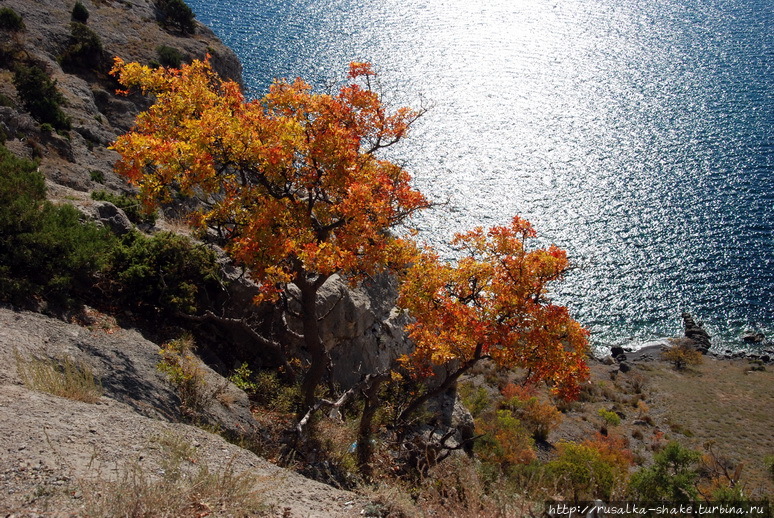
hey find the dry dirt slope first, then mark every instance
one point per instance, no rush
(49, 446)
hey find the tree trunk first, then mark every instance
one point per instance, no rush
(314, 345)
(442, 387)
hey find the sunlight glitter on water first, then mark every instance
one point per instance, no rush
(637, 136)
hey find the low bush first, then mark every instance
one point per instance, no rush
(165, 273)
(169, 56)
(46, 252)
(505, 440)
(671, 478)
(588, 471)
(682, 355)
(177, 15)
(609, 417)
(40, 96)
(539, 417)
(10, 20)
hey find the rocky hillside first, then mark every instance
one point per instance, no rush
(125, 445)
(129, 29)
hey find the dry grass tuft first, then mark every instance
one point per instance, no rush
(65, 378)
(183, 488)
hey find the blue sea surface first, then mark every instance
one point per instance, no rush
(636, 135)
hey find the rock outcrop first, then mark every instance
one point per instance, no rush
(696, 334)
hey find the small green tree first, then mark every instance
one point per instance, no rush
(671, 478)
(80, 13)
(10, 20)
(177, 15)
(40, 96)
(85, 50)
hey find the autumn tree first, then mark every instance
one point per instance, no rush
(292, 182)
(491, 303)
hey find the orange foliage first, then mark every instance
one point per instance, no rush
(291, 181)
(492, 303)
(612, 449)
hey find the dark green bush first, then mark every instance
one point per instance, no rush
(169, 56)
(672, 478)
(177, 15)
(130, 206)
(40, 96)
(167, 272)
(85, 50)
(80, 13)
(45, 250)
(97, 176)
(10, 20)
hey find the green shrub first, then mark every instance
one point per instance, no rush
(609, 416)
(505, 441)
(184, 372)
(242, 378)
(475, 399)
(169, 56)
(97, 176)
(80, 14)
(586, 471)
(85, 50)
(671, 478)
(177, 15)
(10, 20)
(45, 250)
(166, 272)
(40, 96)
(267, 390)
(129, 205)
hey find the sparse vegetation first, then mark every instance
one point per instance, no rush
(64, 378)
(184, 487)
(184, 372)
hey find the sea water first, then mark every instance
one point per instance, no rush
(636, 135)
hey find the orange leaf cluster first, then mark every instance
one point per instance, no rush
(492, 303)
(292, 180)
